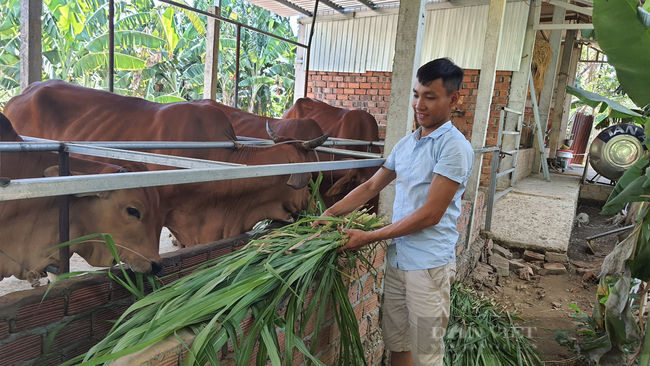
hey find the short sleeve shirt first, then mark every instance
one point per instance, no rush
(415, 161)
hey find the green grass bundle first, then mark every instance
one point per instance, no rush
(272, 273)
(479, 333)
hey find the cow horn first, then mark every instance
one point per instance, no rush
(274, 136)
(312, 144)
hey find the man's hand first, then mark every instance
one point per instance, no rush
(356, 239)
(322, 222)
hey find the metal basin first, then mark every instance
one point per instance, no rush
(616, 149)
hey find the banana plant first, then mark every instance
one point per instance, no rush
(620, 338)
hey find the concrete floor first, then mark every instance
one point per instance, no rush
(537, 215)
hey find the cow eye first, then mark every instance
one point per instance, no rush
(133, 212)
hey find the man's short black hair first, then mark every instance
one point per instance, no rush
(441, 68)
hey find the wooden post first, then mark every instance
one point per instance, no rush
(211, 73)
(549, 81)
(31, 58)
(407, 60)
(519, 92)
(558, 134)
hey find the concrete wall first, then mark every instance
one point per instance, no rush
(370, 92)
(594, 194)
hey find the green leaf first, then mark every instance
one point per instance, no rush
(594, 100)
(626, 42)
(126, 39)
(634, 192)
(630, 175)
(168, 99)
(96, 61)
(170, 30)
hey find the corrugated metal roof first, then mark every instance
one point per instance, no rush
(285, 11)
(367, 43)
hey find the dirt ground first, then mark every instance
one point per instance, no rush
(543, 302)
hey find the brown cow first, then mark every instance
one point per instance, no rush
(29, 228)
(341, 123)
(194, 213)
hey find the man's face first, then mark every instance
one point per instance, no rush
(432, 105)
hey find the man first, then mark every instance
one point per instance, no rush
(431, 166)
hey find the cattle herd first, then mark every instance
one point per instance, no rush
(194, 213)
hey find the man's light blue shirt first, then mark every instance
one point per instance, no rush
(416, 160)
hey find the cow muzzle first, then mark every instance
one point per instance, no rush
(157, 269)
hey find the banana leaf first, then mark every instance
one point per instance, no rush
(626, 42)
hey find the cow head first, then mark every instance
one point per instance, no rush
(298, 180)
(129, 215)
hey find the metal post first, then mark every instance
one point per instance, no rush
(492, 191)
(64, 213)
(311, 35)
(237, 50)
(111, 44)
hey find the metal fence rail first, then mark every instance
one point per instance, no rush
(198, 171)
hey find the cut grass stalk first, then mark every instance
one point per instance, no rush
(271, 273)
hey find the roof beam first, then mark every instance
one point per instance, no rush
(577, 9)
(564, 26)
(334, 6)
(295, 7)
(369, 4)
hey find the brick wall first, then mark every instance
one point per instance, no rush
(524, 166)
(370, 92)
(466, 256)
(82, 307)
(594, 194)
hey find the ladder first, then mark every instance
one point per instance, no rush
(513, 153)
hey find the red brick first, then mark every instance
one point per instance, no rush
(360, 91)
(471, 72)
(194, 260)
(323, 339)
(77, 331)
(329, 356)
(331, 96)
(118, 292)
(52, 359)
(4, 329)
(353, 292)
(34, 315)
(88, 298)
(77, 351)
(370, 304)
(22, 349)
(105, 318)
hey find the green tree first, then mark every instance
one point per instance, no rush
(159, 51)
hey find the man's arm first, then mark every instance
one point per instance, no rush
(440, 195)
(362, 193)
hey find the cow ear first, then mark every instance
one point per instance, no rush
(341, 184)
(93, 194)
(52, 171)
(298, 181)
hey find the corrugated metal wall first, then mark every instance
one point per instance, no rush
(368, 43)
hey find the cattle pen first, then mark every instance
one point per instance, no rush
(82, 301)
